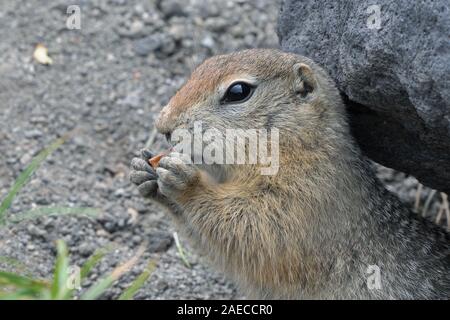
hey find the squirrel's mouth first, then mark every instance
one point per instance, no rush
(168, 136)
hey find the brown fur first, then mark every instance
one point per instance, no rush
(311, 230)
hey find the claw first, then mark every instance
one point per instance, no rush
(141, 165)
(146, 154)
(139, 177)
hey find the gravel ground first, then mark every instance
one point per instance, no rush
(108, 81)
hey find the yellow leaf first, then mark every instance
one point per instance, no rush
(41, 55)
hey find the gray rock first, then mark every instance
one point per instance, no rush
(395, 78)
(86, 249)
(156, 42)
(159, 241)
(33, 134)
(171, 8)
(132, 99)
(148, 44)
(208, 42)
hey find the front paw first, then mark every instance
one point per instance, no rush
(176, 175)
(143, 175)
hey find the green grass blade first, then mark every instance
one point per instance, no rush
(181, 251)
(102, 285)
(14, 263)
(9, 278)
(21, 294)
(53, 211)
(26, 174)
(129, 293)
(91, 262)
(99, 288)
(61, 274)
(18, 284)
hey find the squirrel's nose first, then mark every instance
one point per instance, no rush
(166, 122)
(162, 123)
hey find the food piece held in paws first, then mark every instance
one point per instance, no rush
(154, 162)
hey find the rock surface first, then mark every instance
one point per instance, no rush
(393, 69)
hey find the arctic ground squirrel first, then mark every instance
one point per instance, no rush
(323, 226)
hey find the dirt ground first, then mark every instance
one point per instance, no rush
(108, 80)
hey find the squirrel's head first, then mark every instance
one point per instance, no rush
(256, 89)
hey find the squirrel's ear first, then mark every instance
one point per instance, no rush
(305, 80)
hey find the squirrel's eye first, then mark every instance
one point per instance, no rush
(237, 92)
